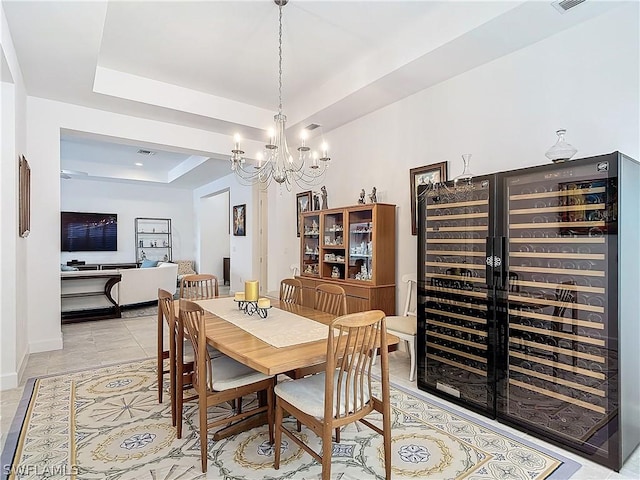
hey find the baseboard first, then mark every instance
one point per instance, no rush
(46, 345)
(23, 366)
(8, 381)
(12, 380)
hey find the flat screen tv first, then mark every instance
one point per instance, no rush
(89, 232)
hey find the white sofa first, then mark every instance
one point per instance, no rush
(138, 285)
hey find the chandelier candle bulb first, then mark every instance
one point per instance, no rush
(251, 290)
(239, 297)
(264, 303)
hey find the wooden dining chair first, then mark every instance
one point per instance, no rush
(405, 326)
(342, 394)
(221, 379)
(331, 298)
(199, 287)
(181, 359)
(291, 291)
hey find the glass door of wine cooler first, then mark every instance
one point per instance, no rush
(456, 310)
(557, 367)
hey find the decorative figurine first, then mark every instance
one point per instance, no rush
(373, 197)
(316, 201)
(335, 272)
(361, 199)
(324, 197)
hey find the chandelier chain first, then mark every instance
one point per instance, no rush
(280, 59)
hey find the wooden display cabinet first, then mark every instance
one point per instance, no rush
(354, 247)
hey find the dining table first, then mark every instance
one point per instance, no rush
(291, 339)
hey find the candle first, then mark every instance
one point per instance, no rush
(239, 297)
(251, 290)
(264, 303)
(325, 149)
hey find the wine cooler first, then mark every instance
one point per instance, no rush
(529, 301)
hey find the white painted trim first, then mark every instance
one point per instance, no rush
(8, 381)
(46, 345)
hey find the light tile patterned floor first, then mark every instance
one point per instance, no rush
(91, 344)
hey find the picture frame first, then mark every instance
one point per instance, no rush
(436, 172)
(24, 197)
(304, 203)
(240, 220)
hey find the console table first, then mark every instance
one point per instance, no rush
(87, 296)
(102, 266)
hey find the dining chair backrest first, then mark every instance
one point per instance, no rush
(291, 291)
(331, 298)
(350, 344)
(192, 318)
(199, 287)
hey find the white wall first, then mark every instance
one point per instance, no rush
(13, 250)
(129, 201)
(505, 113)
(243, 252)
(214, 238)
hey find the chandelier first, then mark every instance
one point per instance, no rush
(276, 162)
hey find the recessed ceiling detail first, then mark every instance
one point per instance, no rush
(117, 61)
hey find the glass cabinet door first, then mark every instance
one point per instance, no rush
(310, 248)
(454, 337)
(333, 247)
(361, 245)
(562, 353)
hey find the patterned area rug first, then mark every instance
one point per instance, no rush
(107, 424)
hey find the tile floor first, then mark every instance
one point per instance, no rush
(92, 344)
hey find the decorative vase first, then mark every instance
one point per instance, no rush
(464, 180)
(561, 151)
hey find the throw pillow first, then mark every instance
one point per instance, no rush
(149, 263)
(185, 267)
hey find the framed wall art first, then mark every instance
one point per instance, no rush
(436, 172)
(240, 220)
(24, 197)
(303, 204)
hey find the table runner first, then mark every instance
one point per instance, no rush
(280, 328)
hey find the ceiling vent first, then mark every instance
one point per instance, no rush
(311, 126)
(563, 5)
(146, 153)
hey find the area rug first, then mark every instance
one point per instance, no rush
(106, 423)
